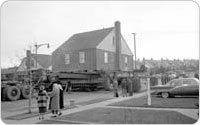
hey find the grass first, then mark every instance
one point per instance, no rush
(158, 102)
(128, 116)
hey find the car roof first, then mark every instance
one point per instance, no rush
(182, 79)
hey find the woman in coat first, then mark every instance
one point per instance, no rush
(55, 98)
(61, 97)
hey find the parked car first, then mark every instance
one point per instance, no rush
(178, 87)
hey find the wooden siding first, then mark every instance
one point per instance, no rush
(101, 65)
(58, 63)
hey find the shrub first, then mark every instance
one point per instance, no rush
(136, 85)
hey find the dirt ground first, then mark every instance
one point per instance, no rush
(9, 108)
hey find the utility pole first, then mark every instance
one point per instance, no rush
(28, 64)
(135, 48)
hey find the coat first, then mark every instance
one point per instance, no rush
(42, 98)
(54, 98)
(61, 95)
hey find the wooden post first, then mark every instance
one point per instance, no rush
(148, 92)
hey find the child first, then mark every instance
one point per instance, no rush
(42, 102)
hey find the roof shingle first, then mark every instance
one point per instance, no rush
(86, 40)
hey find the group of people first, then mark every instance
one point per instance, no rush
(56, 101)
(126, 87)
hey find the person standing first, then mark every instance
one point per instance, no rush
(42, 102)
(130, 86)
(69, 87)
(61, 97)
(55, 99)
(115, 87)
(124, 87)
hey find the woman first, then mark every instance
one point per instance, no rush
(124, 87)
(115, 87)
(54, 101)
(61, 98)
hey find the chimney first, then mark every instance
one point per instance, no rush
(118, 45)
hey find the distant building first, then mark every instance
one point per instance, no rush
(9, 73)
(43, 62)
(104, 49)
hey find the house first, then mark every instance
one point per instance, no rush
(103, 49)
(43, 62)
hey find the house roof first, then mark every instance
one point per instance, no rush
(86, 40)
(43, 60)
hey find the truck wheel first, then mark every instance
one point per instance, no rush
(3, 93)
(13, 93)
(25, 92)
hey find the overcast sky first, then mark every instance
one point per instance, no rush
(165, 29)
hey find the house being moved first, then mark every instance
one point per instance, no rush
(104, 49)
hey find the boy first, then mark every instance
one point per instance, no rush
(42, 102)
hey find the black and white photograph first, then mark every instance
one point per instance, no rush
(99, 62)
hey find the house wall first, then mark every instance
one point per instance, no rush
(101, 65)
(58, 60)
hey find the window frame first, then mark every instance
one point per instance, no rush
(105, 57)
(67, 60)
(81, 57)
(125, 59)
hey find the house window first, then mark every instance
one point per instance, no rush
(67, 59)
(126, 60)
(105, 57)
(81, 57)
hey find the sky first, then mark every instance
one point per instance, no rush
(164, 29)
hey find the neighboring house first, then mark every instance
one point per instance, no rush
(43, 62)
(103, 49)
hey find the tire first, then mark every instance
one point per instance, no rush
(25, 92)
(3, 93)
(165, 94)
(13, 93)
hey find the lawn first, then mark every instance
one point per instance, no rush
(158, 102)
(128, 116)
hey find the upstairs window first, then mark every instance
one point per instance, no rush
(105, 57)
(81, 57)
(67, 59)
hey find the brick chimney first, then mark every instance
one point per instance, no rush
(118, 45)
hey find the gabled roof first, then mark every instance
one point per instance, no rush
(43, 60)
(85, 40)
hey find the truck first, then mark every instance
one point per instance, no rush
(90, 81)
